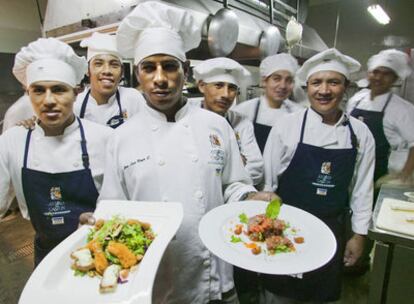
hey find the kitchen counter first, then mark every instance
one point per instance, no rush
(393, 266)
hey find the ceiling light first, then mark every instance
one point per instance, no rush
(379, 14)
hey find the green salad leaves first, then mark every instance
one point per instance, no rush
(273, 208)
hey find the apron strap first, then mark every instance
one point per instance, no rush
(118, 100)
(302, 131)
(26, 148)
(354, 140)
(387, 102)
(85, 156)
(256, 111)
(84, 103)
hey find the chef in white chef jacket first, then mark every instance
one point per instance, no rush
(389, 117)
(277, 79)
(105, 101)
(322, 160)
(56, 168)
(219, 79)
(175, 151)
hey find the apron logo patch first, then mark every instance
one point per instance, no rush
(214, 140)
(55, 194)
(326, 168)
(321, 191)
(58, 220)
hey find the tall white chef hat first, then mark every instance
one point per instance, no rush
(221, 69)
(278, 62)
(48, 59)
(157, 28)
(328, 60)
(100, 44)
(393, 59)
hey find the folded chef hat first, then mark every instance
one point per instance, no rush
(101, 44)
(393, 59)
(221, 70)
(157, 28)
(328, 60)
(49, 59)
(278, 62)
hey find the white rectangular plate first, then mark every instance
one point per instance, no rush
(53, 280)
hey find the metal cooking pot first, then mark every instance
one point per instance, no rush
(269, 41)
(222, 32)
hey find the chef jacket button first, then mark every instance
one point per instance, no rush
(76, 164)
(194, 158)
(154, 127)
(198, 194)
(164, 199)
(36, 163)
(161, 162)
(185, 125)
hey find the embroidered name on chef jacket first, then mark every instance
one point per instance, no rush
(324, 179)
(136, 161)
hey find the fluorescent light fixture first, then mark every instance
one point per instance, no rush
(378, 13)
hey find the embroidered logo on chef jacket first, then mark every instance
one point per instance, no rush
(125, 114)
(215, 141)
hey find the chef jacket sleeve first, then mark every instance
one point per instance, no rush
(362, 186)
(114, 186)
(235, 179)
(272, 156)
(5, 180)
(405, 125)
(250, 150)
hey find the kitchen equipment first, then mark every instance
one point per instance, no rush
(269, 42)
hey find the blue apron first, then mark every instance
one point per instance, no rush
(261, 132)
(115, 121)
(374, 122)
(317, 180)
(55, 200)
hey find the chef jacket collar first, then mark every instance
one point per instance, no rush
(111, 99)
(378, 98)
(318, 117)
(264, 100)
(181, 113)
(68, 130)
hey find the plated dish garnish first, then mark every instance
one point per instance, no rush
(113, 249)
(266, 232)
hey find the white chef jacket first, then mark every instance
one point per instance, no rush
(195, 161)
(398, 123)
(266, 115)
(285, 136)
(52, 154)
(18, 111)
(131, 101)
(246, 141)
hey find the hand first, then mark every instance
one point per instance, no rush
(405, 177)
(28, 123)
(262, 196)
(353, 250)
(86, 218)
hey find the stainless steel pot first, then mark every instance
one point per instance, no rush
(270, 41)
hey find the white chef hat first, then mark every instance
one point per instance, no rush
(393, 59)
(100, 44)
(157, 28)
(328, 60)
(278, 62)
(49, 59)
(221, 69)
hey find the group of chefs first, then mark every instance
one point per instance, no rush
(111, 142)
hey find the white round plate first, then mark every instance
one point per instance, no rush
(217, 227)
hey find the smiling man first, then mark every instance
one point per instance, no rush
(106, 102)
(277, 80)
(174, 151)
(219, 80)
(389, 117)
(321, 160)
(56, 169)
